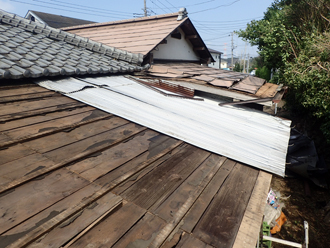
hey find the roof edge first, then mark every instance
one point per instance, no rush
(140, 19)
(73, 39)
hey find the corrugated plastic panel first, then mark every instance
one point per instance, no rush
(245, 135)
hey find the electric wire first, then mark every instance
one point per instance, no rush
(44, 6)
(213, 8)
(89, 7)
(164, 5)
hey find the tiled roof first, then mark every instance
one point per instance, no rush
(142, 35)
(214, 51)
(29, 49)
(59, 21)
(135, 35)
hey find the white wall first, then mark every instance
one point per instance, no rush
(215, 64)
(176, 49)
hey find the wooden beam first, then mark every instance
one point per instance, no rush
(189, 37)
(199, 48)
(248, 232)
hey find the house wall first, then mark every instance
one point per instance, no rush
(175, 49)
(217, 58)
(224, 64)
(36, 18)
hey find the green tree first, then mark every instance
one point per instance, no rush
(237, 67)
(293, 38)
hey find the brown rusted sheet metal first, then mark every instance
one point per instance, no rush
(222, 83)
(249, 84)
(267, 90)
(204, 78)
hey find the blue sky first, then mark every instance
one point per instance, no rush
(213, 19)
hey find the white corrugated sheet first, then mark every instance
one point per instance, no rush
(245, 135)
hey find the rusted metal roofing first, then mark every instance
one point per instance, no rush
(247, 136)
(231, 84)
(142, 35)
(30, 49)
(72, 175)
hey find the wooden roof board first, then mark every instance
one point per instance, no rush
(72, 169)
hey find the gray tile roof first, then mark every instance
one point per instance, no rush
(29, 49)
(59, 21)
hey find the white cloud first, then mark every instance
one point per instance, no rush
(7, 6)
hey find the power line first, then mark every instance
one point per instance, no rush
(89, 7)
(248, 19)
(177, 7)
(66, 6)
(165, 6)
(171, 4)
(224, 5)
(159, 7)
(63, 9)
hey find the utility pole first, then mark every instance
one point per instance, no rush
(244, 71)
(248, 63)
(232, 50)
(145, 8)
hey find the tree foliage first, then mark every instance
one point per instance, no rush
(294, 38)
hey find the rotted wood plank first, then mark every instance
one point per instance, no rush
(70, 136)
(49, 127)
(111, 229)
(36, 196)
(178, 204)
(42, 118)
(14, 152)
(221, 221)
(174, 238)
(40, 111)
(189, 241)
(99, 140)
(47, 215)
(162, 181)
(249, 229)
(4, 138)
(89, 147)
(192, 187)
(78, 222)
(7, 99)
(203, 201)
(18, 168)
(142, 233)
(21, 91)
(135, 163)
(24, 106)
(110, 159)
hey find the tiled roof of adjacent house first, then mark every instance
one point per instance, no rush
(59, 21)
(29, 49)
(142, 35)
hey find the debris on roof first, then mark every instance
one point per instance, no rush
(250, 137)
(72, 175)
(29, 49)
(226, 83)
(54, 21)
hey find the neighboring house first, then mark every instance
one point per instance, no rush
(96, 157)
(172, 40)
(54, 21)
(161, 38)
(217, 59)
(223, 64)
